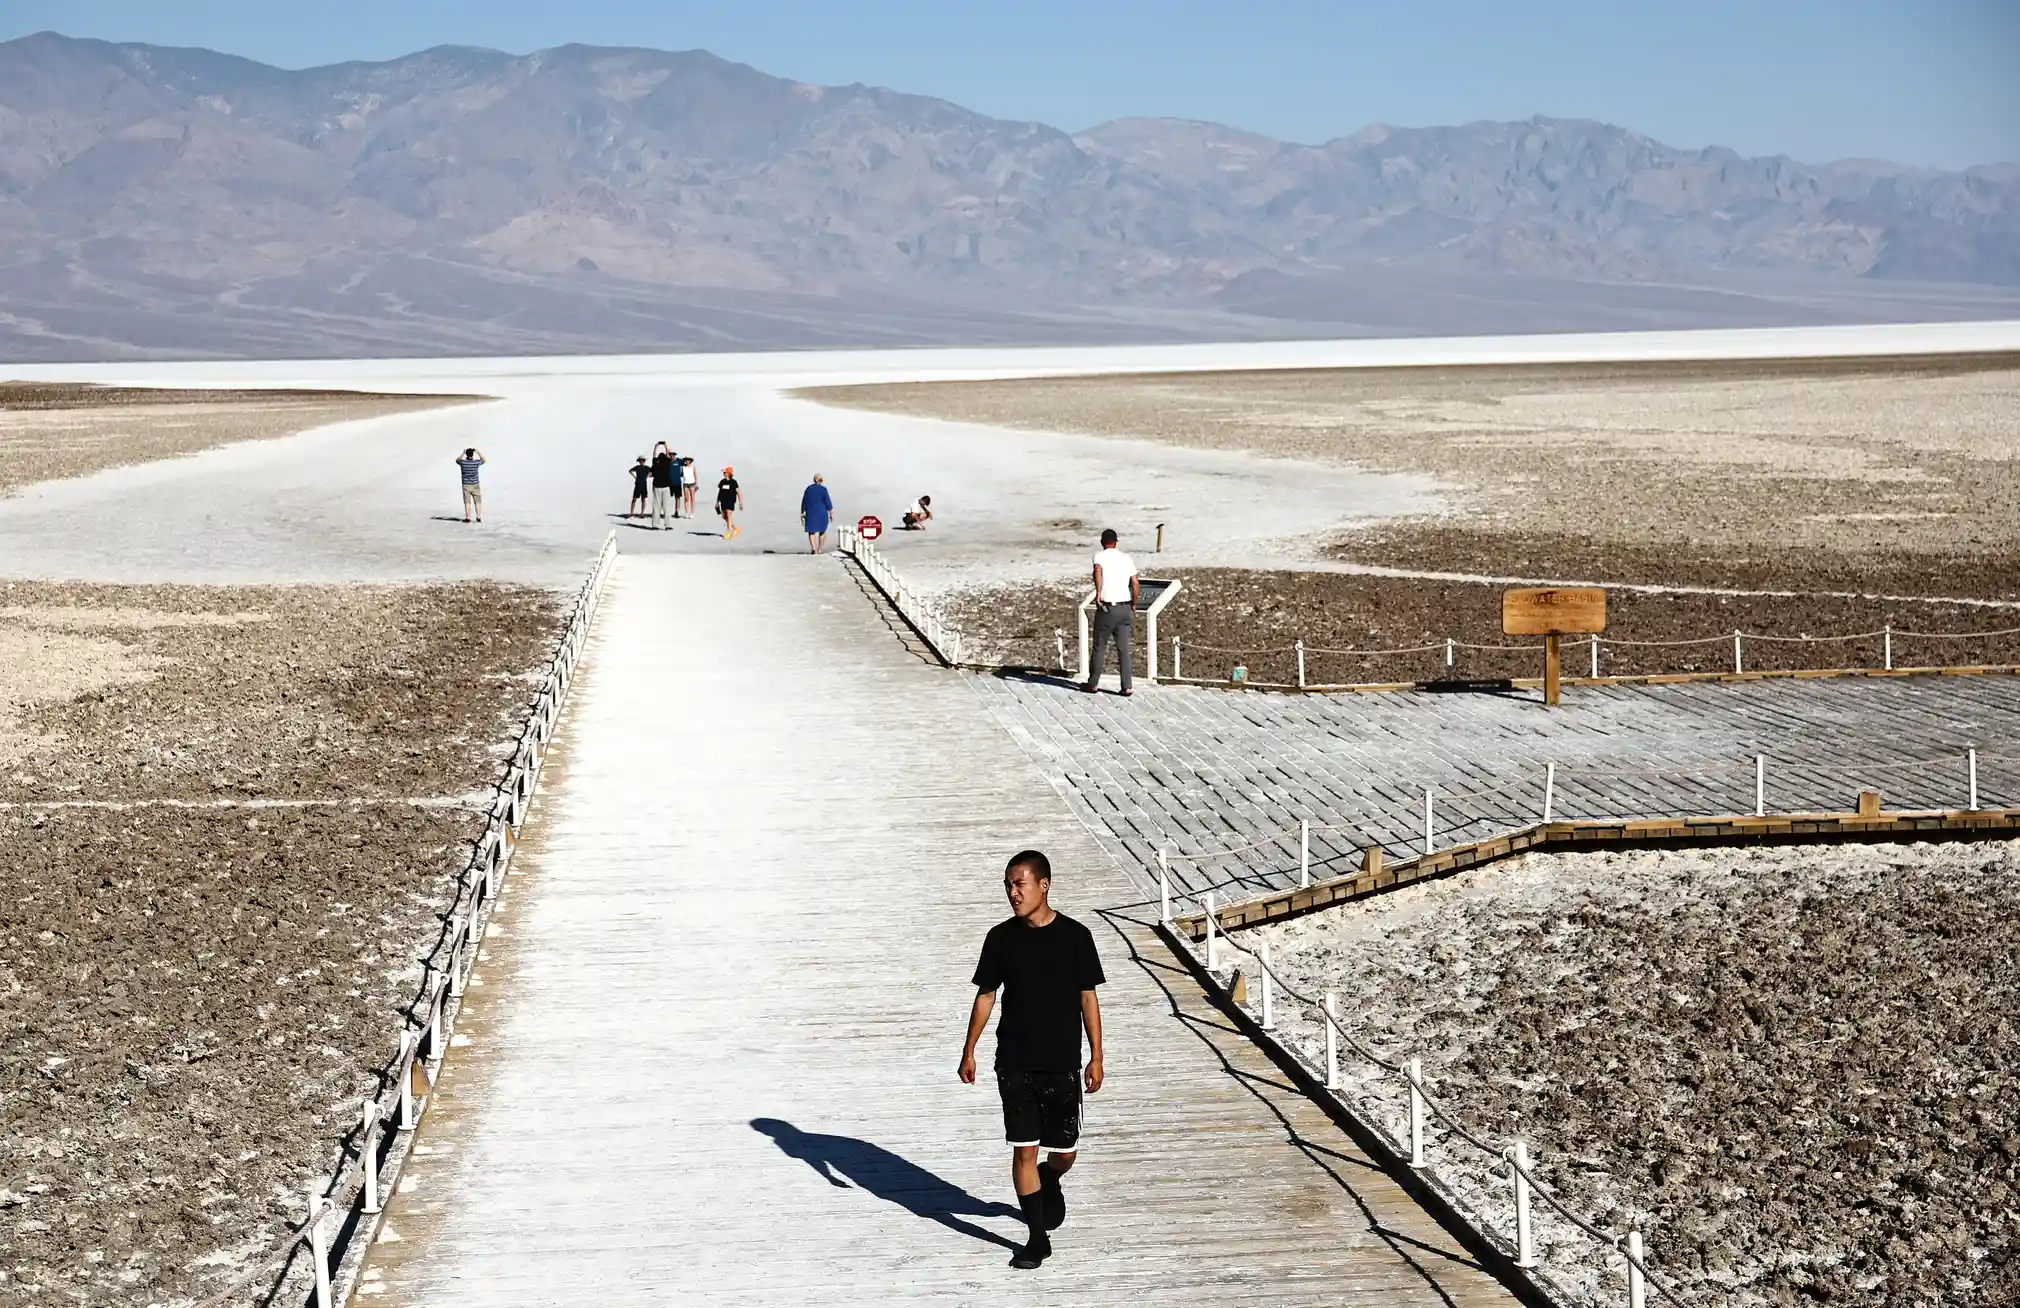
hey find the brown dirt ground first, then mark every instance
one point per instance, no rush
(50, 430)
(1793, 1068)
(1256, 611)
(192, 1004)
(193, 1000)
(269, 692)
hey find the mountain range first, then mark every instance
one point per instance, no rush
(158, 201)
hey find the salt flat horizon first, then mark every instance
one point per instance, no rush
(788, 369)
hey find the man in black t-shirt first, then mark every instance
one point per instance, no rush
(1047, 968)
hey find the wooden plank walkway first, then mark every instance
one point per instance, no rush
(1205, 769)
(711, 1058)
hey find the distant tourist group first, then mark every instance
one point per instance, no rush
(665, 485)
(669, 481)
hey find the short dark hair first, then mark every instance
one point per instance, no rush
(925, 499)
(1108, 536)
(470, 453)
(1041, 866)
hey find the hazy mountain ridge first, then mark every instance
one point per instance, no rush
(128, 171)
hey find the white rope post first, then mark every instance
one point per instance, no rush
(1269, 993)
(1163, 885)
(1212, 941)
(1451, 651)
(1738, 658)
(1427, 819)
(1890, 647)
(1059, 639)
(1525, 1237)
(1637, 1291)
(1416, 1074)
(1332, 1020)
(1595, 658)
(1177, 669)
(433, 1025)
(1304, 852)
(1549, 789)
(319, 1249)
(1760, 785)
(1971, 767)
(368, 1152)
(407, 1122)
(1301, 663)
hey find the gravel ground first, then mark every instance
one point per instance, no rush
(1988, 573)
(1257, 611)
(193, 999)
(192, 1003)
(1797, 474)
(182, 692)
(1793, 1069)
(50, 430)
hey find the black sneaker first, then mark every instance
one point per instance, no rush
(1030, 1256)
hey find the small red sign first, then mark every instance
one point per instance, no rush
(869, 526)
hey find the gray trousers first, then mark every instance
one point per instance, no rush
(1115, 623)
(659, 501)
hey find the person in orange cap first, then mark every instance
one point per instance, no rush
(728, 499)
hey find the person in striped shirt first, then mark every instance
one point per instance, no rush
(473, 493)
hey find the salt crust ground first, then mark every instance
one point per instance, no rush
(192, 1000)
(50, 430)
(1752, 462)
(1794, 1069)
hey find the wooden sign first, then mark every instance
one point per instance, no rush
(1553, 611)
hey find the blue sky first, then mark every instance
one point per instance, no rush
(1921, 81)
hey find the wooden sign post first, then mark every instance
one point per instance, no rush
(1552, 612)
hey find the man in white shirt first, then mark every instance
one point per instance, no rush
(1116, 587)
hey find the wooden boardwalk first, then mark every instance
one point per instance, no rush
(1202, 769)
(711, 1058)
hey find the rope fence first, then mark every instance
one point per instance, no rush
(352, 1200)
(1292, 662)
(1955, 777)
(1411, 1145)
(926, 617)
(1443, 816)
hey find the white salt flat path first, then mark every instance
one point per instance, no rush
(711, 1057)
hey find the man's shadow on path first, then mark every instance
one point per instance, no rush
(880, 1172)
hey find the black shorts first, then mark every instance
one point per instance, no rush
(1040, 1108)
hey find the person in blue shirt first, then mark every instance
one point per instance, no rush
(815, 508)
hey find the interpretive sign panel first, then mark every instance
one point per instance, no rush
(1553, 611)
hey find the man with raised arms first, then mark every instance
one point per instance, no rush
(1046, 965)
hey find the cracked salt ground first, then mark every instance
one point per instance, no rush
(1795, 1069)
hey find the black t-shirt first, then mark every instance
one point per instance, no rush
(1042, 971)
(725, 492)
(662, 470)
(640, 475)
